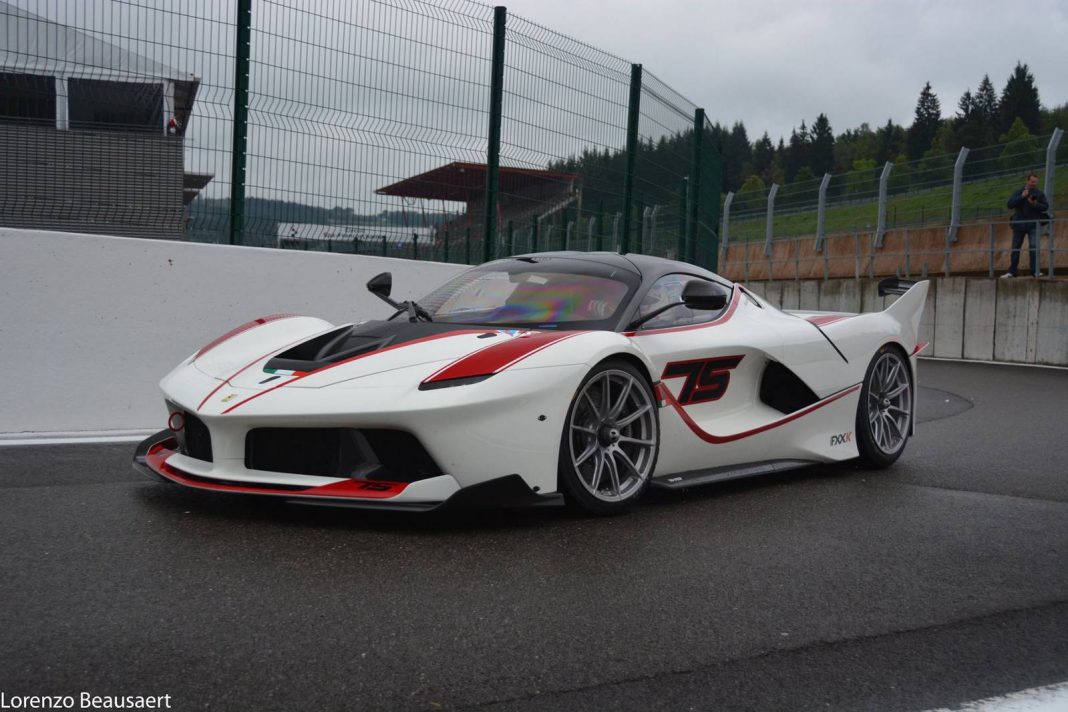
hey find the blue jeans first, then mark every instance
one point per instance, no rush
(1018, 232)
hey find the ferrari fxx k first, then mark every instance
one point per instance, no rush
(580, 376)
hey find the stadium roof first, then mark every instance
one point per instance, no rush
(466, 181)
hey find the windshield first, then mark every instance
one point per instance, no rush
(547, 294)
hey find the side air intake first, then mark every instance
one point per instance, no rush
(783, 390)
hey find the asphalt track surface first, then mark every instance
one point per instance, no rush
(940, 581)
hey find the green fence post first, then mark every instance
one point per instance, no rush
(493, 154)
(600, 226)
(511, 238)
(534, 233)
(713, 180)
(639, 206)
(467, 247)
(446, 246)
(680, 247)
(383, 245)
(633, 117)
(415, 245)
(695, 185)
(240, 133)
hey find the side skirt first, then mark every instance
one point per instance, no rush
(693, 478)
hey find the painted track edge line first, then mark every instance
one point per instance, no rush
(943, 359)
(74, 438)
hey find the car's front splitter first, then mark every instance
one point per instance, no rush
(506, 491)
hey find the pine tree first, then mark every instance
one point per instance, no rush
(1020, 98)
(737, 157)
(821, 153)
(797, 153)
(986, 101)
(763, 157)
(966, 108)
(889, 141)
(925, 123)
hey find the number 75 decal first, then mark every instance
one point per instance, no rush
(706, 378)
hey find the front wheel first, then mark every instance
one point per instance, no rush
(610, 441)
(884, 415)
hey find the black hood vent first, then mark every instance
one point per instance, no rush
(345, 342)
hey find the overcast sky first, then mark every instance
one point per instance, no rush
(771, 64)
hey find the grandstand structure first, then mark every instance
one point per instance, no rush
(525, 194)
(91, 133)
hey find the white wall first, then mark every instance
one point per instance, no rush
(89, 323)
(1009, 320)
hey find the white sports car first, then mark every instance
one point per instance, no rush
(586, 376)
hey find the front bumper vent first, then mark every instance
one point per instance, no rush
(375, 454)
(194, 439)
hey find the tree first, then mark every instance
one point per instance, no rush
(925, 123)
(890, 142)
(737, 157)
(862, 179)
(797, 152)
(805, 175)
(763, 157)
(853, 145)
(821, 154)
(1021, 148)
(1054, 118)
(986, 102)
(750, 195)
(1019, 98)
(966, 108)
(946, 141)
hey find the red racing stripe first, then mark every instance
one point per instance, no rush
(433, 337)
(720, 439)
(824, 320)
(244, 327)
(735, 294)
(253, 363)
(494, 359)
(156, 458)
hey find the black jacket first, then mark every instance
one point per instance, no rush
(1024, 211)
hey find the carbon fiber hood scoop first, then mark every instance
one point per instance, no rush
(350, 341)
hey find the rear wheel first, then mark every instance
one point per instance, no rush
(610, 441)
(884, 415)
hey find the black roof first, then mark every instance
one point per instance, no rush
(649, 268)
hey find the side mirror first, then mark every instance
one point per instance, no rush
(381, 285)
(699, 294)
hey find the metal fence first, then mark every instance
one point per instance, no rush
(945, 190)
(446, 130)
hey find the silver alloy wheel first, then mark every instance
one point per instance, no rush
(889, 403)
(613, 435)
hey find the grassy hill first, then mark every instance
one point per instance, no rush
(981, 200)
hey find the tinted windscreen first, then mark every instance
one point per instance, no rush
(555, 292)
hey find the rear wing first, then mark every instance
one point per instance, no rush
(907, 308)
(895, 285)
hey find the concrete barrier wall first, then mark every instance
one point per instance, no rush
(89, 324)
(981, 319)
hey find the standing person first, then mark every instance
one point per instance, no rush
(1029, 205)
